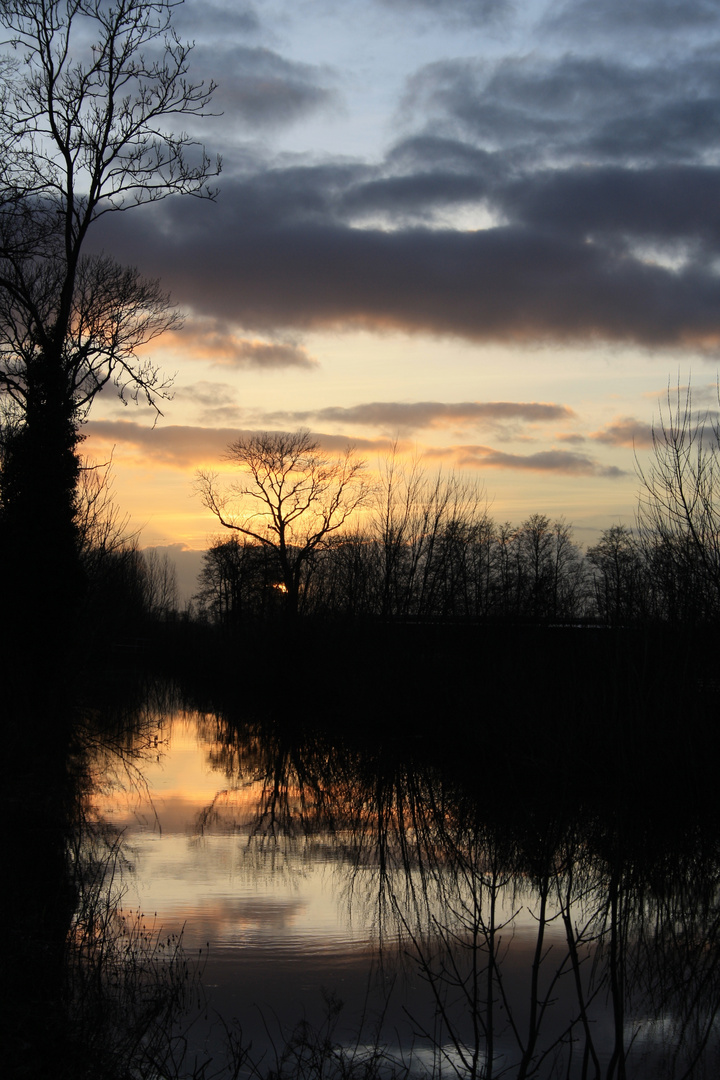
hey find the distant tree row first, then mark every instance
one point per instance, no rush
(310, 535)
(475, 569)
(462, 566)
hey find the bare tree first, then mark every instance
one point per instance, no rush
(91, 91)
(161, 589)
(619, 575)
(237, 579)
(420, 522)
(292, 497)
(679, 508)
(102, 527)
(86, 130)
(539, 571)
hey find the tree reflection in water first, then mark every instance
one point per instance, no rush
(121, 1005)
(579, 944)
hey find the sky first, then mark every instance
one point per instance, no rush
(486, 231)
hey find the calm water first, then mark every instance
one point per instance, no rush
(279, 915)
(307, 871)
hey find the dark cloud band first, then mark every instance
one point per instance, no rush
(510, 283)
(410, 416)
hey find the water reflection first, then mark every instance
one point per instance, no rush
(517, 939)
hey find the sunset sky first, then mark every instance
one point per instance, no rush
(487, 230)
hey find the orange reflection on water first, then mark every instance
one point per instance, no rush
(203, 856)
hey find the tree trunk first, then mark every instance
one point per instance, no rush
(40, 640)
(39, 536)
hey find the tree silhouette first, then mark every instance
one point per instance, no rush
(619, 575)
(292, 497)
(89, 95)
(236, 580)
(679, 510)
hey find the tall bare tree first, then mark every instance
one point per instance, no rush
(679, 508)
(420, 520)
(91, 93)
(291, 496)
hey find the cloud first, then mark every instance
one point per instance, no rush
(430, 151)
(338, 444)
(213, 403)
(674, 396)
(187, 446)
(299, 192)
(550, 461)
(631, 432)
(592, 180)
(258, 88)
(217, 19)
(209, 394)
(586, 108)
(470, 12)
(411, 416)
(674, 203)
(188, 565)
(216, 341)
(173, 445)
(405, 196)
(570, 437)
(625, 431)
(617, 18)
(512, 283)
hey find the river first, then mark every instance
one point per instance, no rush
(305, 872)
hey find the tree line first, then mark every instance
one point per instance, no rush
(466, 566)
(311, 535)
